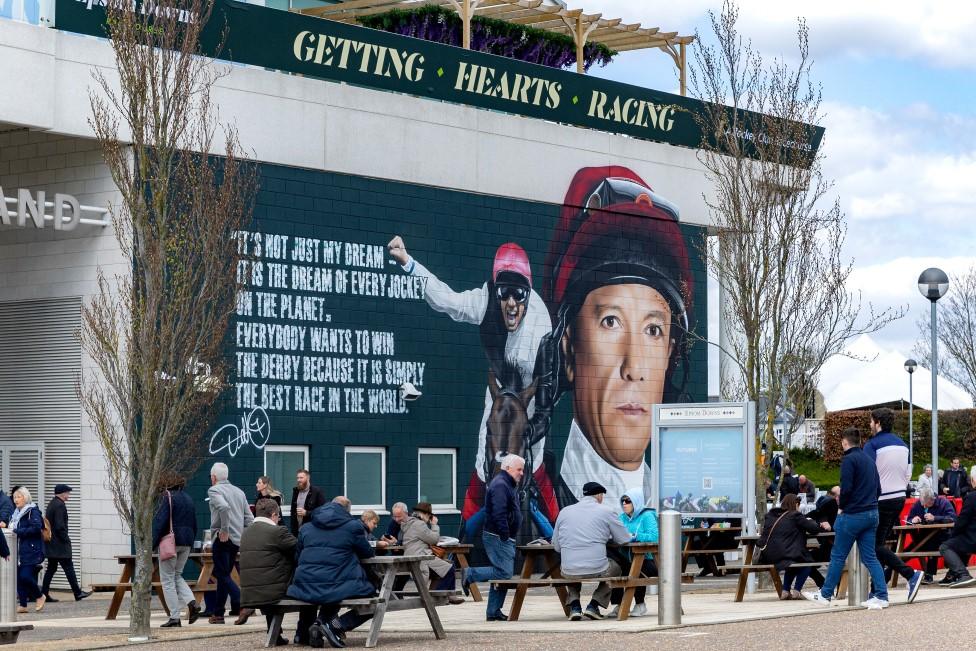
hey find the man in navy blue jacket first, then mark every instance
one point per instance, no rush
(931, 509)
(503, 518)
(857, 522)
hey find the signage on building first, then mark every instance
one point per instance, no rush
(336, 51)
(31, 208)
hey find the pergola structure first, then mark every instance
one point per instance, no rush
(542, 14)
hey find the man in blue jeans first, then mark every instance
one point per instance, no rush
(503, 518)
(860, 487)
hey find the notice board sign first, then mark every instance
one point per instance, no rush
(704, 459)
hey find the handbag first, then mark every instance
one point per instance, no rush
(762, 548)
(46, 533)
(167, 544)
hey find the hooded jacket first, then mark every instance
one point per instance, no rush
(328, 551)
(30, 541)
(642, 525)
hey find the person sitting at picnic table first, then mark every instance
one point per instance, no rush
(580, 536)
(370, 521)
(962, 542)
(641, 522)
(931, 509)
(398, 514)
(789, 484)
(267, 563)
(421, 534)
(825, 515)
(329, 570)
(784, 542)
(808, 488)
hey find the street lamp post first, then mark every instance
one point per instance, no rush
(933, 285)
(910, 367)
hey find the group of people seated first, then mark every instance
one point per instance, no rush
(323, 566)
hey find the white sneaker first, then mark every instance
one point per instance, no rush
(874, 603)
(816, 598)
(613, 613)
(640, 610)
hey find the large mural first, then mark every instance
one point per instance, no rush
(547, 331)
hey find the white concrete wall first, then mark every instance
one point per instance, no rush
(37, 264)
(306, 122)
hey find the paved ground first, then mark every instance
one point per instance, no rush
(82, 626)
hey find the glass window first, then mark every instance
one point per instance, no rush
(366, 478)
(437, 477)
(281, 462)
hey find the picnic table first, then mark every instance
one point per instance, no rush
(697, 540)
(912, 537)
(459, 550)
(203, 560)
(748, 567)
(386, 601)
(553, 577)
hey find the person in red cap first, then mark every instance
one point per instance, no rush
(619, 284)
(513, 320)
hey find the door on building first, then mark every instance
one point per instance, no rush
(23, 465)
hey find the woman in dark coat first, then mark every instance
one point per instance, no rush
(28, 523)
(175, 588)
(784, 541)
(329, 571)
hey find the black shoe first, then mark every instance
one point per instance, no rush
(193, 611)
(333, 636)
(172, 623)
(948, 579)
(963, 581)
(52, 600)
(281, 641)
(704, 572)
(500, 617)
(316, 636)
(81, 595)
(593, 611)
(928, 579)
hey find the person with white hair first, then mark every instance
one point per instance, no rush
(925, 479)
(503, 517)
(28, 523)
(931, 509)
(230, 513)
(962, 543)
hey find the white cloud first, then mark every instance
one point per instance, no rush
(937, 32)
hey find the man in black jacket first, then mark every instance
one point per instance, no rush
(955, 483)
(305, 498)
(59, 548)
(503, 517)
(962, 543)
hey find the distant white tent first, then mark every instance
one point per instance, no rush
(848, 383)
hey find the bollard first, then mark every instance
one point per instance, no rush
(8, 581)
(669, 570)
(857, 578)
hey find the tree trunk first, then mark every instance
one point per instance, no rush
(141, 607)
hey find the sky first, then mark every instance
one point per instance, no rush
(900, 118)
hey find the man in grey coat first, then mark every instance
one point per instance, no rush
(580, 536)
(229, 515)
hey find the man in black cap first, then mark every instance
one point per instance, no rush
(580, 536)
(59, 548)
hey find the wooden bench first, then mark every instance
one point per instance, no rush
(385, 601)
(920, 534)
(10, 631)
(695, 540)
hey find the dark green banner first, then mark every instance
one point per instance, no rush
(335, 51)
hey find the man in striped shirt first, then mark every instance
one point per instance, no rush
(890, 455)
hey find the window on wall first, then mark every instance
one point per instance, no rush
(281, 462)
(437, 477)
(365, 485)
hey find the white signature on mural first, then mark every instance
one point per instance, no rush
(255, 429)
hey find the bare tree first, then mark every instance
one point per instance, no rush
(157, 334)
(957, 333)
(777, 246)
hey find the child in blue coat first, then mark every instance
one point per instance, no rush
(641, 522)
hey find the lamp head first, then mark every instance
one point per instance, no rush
(933, 283)
(910, 365)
